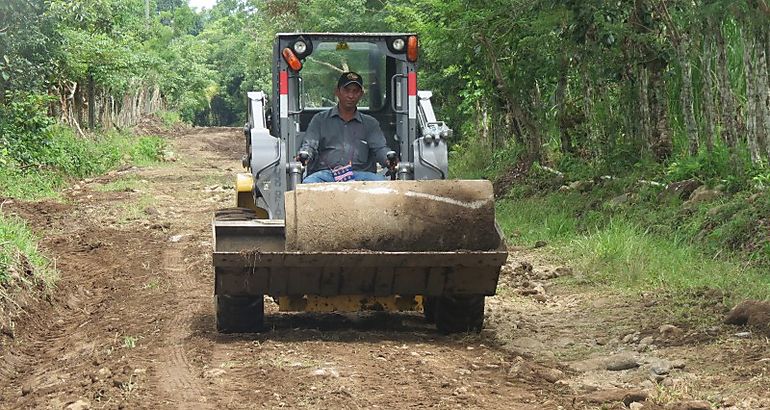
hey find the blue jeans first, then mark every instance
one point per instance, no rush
(325, 175)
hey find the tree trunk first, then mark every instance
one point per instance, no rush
(644, 105)
(78, 104)
(662, 145)
(91, 103)
(750, 72)
(729, 114)
(687, 93)
(709, 118)
(561, 109)
(767, 52)
(588, 109)
(763, 91)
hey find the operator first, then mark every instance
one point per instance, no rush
(341, 143)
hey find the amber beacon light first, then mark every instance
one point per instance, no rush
(411, 48)
(291, 59)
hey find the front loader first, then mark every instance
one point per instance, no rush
(416, 242)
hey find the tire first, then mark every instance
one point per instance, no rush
(240, 314)
(458, 314)
(429, 308)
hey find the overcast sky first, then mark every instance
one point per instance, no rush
(198, 4)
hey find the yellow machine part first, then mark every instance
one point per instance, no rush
(349, 303)
(244, 184)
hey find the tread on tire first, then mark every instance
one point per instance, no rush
(239, 314)
(459, 313)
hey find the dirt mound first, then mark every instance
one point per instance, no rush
(751, 312)
(516, 174)
(392, 216)
(152, 125)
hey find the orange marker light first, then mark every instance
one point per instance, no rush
(291, 59)
(411, 48)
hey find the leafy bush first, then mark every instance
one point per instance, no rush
(759, 174)
(703, 167)
(147, 150)
(25, 129)
(169, 118)
(473, 159)
(72, 155)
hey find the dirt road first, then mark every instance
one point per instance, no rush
(130, 324)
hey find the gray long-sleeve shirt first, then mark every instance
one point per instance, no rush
(333, 142)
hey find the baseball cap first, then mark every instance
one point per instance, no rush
(348, 78)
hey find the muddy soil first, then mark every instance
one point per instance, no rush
(420, 216)
(130, 323)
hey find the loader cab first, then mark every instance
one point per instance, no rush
(305, 70)
(307, 67)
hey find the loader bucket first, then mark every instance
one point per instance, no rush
(246, 263)
(366, 238)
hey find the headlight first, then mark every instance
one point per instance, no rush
(300, 47)
(398, 44)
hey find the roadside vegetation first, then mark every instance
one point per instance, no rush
(631, 137)
(20, 260)
(633, 232)
(39, 157)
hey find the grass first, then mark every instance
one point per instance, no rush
(129, 342)
(30, 186)
(152, 284)
(650, 243)
(135, 210)
(616, 250)
(625, 255)
(20, 258)
(128, 183)
(69, 157)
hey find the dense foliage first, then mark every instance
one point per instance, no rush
(604, 84)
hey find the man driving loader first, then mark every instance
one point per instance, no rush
(343, 144)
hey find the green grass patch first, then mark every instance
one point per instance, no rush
(134, 211)
(169, 118)
(624, 234)
(538, 218)
(128, 183)
(19, 257)
(682, 251)
(67, 156)
(623, 255)
(30, 185)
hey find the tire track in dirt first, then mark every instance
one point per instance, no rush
(180, 377)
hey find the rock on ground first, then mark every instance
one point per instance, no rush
(690, 405)
(627, 396)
